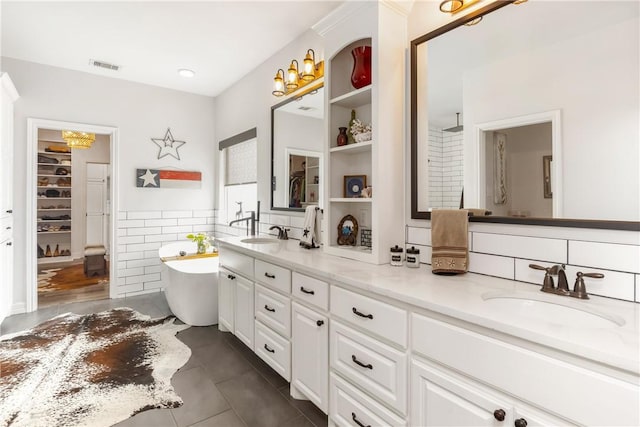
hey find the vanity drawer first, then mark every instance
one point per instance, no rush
(384, 319)
(274, 310)
(530, 375)
(240, 263)
(375, 367)
(274, 276)
(274, 350)
(350, 407)
(311, 290)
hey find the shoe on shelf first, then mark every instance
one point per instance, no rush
(40, 252)
(48, 251)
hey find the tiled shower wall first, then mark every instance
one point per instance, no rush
(445, 168)
(506, 251)
(140, 235)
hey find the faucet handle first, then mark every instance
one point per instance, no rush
(579, 288)
(547, 283)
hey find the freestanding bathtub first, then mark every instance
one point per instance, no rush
(192, 288)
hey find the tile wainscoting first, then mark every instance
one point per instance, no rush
(140, 235)
(506, 251)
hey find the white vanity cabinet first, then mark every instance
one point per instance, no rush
(243, 319)
(226, 300)
(235, 295)
(310, 355)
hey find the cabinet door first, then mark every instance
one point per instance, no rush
(244, 318)
(310, 354)
(6, 277)
(226, 300)
(438, 399)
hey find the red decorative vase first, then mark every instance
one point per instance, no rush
(361, 74)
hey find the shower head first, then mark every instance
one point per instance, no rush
(457, 128)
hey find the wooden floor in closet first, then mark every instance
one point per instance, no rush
(66, 282)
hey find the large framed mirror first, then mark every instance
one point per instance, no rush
(297, 134)
(532, 114)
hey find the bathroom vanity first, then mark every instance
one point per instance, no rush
(381, 345)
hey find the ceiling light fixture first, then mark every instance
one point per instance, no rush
(184, 72)
(296, 79)
(78, 139)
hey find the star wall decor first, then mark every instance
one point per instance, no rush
(168, 145)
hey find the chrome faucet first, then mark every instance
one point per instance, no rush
(282, 232)
(579, 288)
(252, 220)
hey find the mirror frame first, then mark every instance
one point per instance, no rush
(415, 213)
(307, 89)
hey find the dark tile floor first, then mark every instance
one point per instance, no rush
(224, 384)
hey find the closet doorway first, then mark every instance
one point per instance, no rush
(72, 211)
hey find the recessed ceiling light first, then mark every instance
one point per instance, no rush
(186, 73)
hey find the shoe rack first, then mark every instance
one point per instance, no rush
(54, 201)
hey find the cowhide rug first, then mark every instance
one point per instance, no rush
(89, 370)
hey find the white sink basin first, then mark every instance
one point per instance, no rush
(259, 240)
(551, 309)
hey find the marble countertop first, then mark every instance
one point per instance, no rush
(468, 297)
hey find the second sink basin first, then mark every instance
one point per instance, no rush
(548, 309)
(259, 240)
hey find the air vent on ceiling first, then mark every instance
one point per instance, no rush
(103, 64)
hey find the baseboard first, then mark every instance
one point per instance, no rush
(18, 308)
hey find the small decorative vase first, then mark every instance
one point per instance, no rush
(202, 248)
(342, 137)
(361, 74)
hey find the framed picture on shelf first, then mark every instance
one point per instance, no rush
(353, 185)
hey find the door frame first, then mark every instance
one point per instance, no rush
(33, 125)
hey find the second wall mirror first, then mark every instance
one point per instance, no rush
(297, 135)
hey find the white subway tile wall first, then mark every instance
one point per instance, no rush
(509, 255)
(141, 234)
(445, 168)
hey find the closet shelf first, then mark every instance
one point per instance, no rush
(54, 153)
(55, 176)
(55, 165)
(54, 232)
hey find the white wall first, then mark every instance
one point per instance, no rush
(247, 104)
(140, 112)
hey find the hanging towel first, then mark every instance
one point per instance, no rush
(311, 230)
(449, 241)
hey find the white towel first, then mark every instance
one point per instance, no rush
(311, 230)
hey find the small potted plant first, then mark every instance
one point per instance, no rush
(202, 240)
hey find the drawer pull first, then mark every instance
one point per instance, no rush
(230, 276)
(320, 322)
(353, 415)
(266, 347)
(10, 211)
(499, 414)
(8, 228)
(357, 362)
(520, 422)
(9, 244)
(302, 289)
(368, 316)
(266, 307)
(270, 276)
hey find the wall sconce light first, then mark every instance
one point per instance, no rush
(455, 6)
(451, 6)
(78, 139)
(296, 79)
(278, 83)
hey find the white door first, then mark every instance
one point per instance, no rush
(244, 319)
(96, 204)
(438, 399)
(226, 299)
(310, 355)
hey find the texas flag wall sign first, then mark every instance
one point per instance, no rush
(158, 178)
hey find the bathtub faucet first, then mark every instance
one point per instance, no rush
(252, 220)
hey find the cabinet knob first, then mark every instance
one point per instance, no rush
(231, 276)
(320, 322)
(9, 243)
(499, 414)
(520, 422)
(9, 210)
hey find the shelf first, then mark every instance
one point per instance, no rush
(53, 220)
(47, 153)
(52, 140)
(54, 232)
(358, 147)
(54, 198)
(55, 176)
(54, 186)
(52, 259)
(53, 209)
(350, 199)
(353, 99)
(54, 164)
